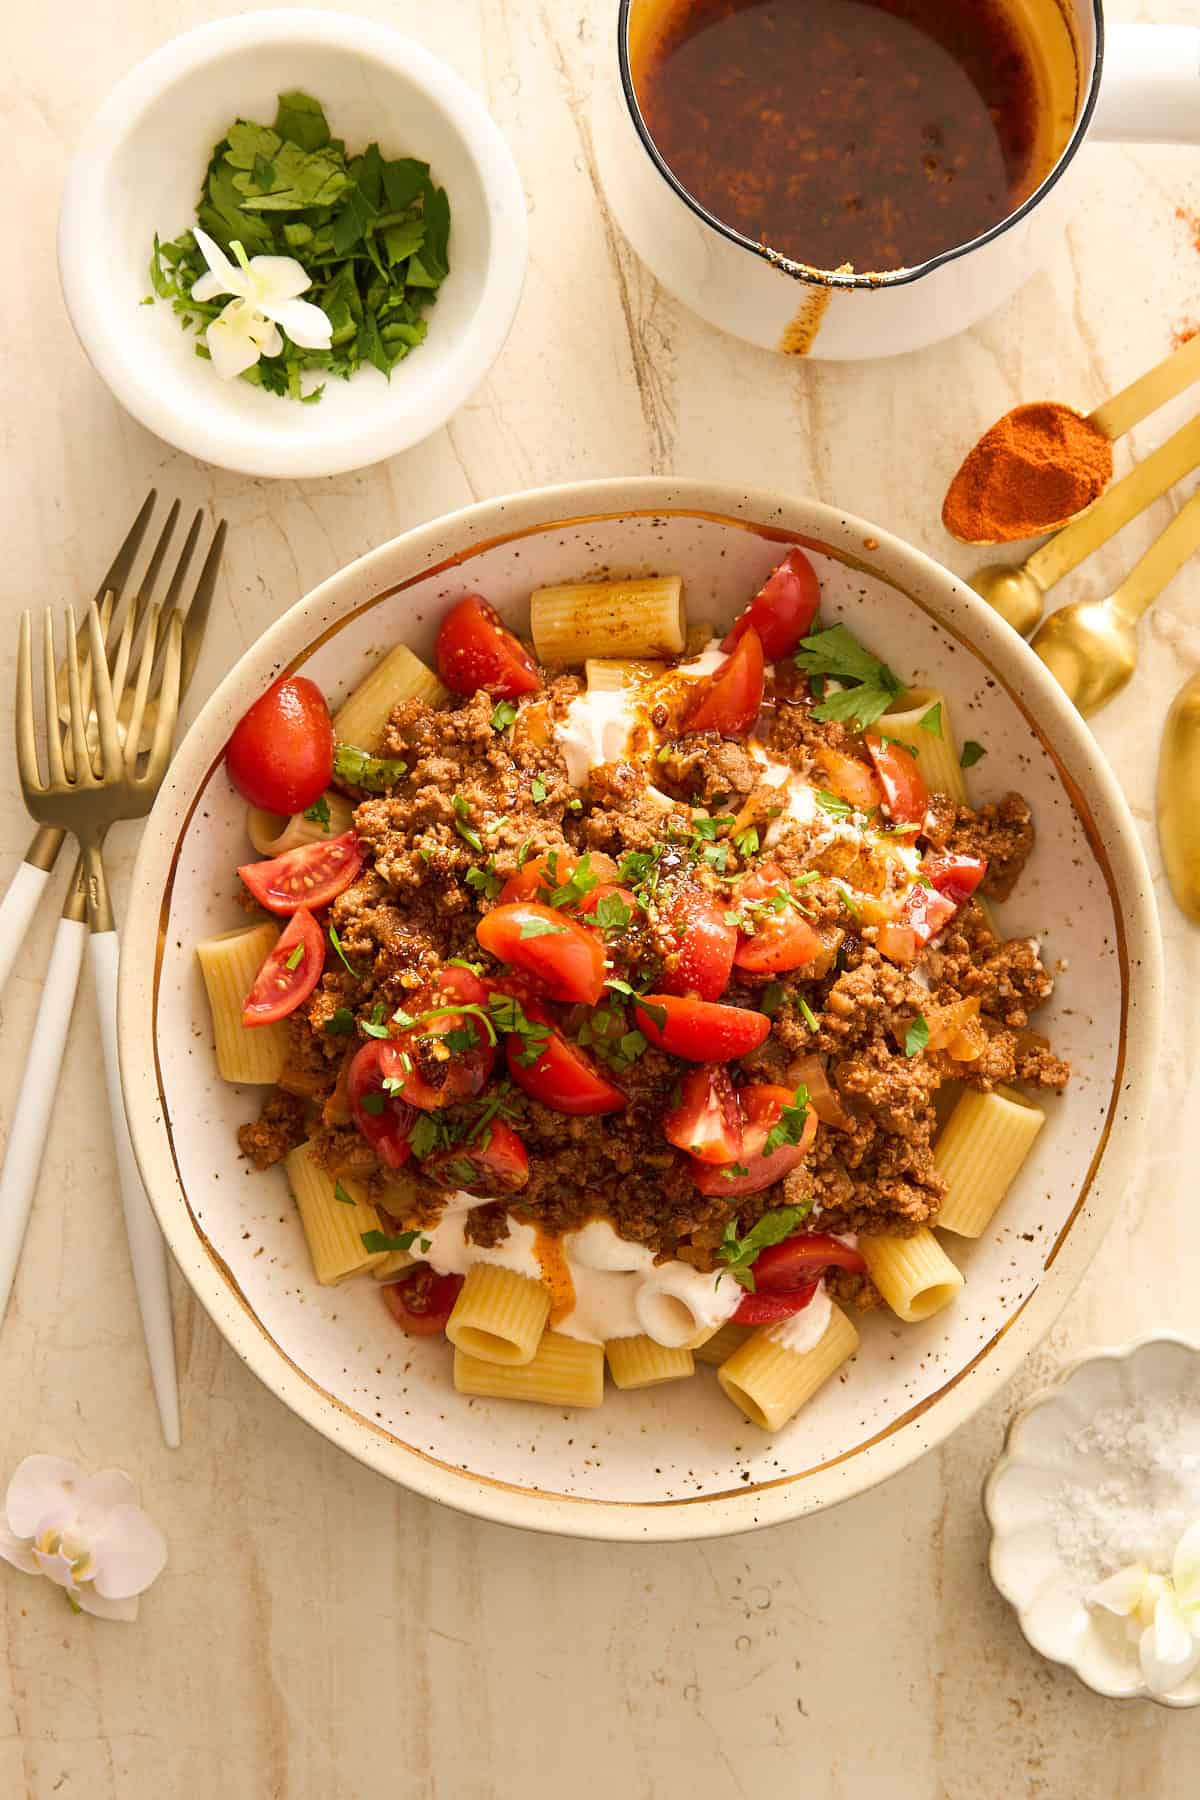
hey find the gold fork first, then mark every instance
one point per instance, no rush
(89, 787)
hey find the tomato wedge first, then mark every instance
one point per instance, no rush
(422, 1300)
(783, 609)
(311, 875)
(762, 1107)
(564, 957)
(707, 1123)
(904, 787)
(782, 1268)
(769, 1309)
(702, 960)
(496, 1163)
(475, 650)
(780, 940)
(850, 779)
(956, 877)
(289, 974)
(700, 1030)
(525, 884)
(280, 756)
(561, 1077)
(605, 890)
(380, 1115)
(927, 910)
(430, 1071)
(729, 701)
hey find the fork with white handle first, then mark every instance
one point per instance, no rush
(106, 765)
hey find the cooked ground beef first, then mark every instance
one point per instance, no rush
(478, 803)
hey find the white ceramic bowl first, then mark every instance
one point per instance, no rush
(672, 1462)
(1019, 1499)
(139, 169)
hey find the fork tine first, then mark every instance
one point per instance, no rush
(168, 701)
(201, 605)
(27, 756)
(171, 597)
(121, 661)
(84, 775)
(54, 742)
(122, 562)
(112, 757)
(139, 602)
(133, 730)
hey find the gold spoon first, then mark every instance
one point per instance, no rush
(1090, 646)
(1179, 798)
(1017, 590)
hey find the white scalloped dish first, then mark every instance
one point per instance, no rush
(1041, 1467)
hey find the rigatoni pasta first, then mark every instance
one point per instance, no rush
(609, 619)
(562, 1372)
(720, 1346)
(398, 676)
(273, 835)
(229, 964)
(638, 1362)
(499, 1316)
(770, 1382)
(982, 1148)
(914, 1274)
(336, 1215)
(921, 719)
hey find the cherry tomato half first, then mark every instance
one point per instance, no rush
(605, 890)
(430, 1071)
(768, 1309)
(496, 1163)
(849, 778)
(311, 875)
(783, 609)
(780, 940)
(536, 881)
(929, 909)
(729, 701)
(762, 1106)
(707, 1123)
(380, 1115)
(475, 650)
(782, 1268)
(701, 956)
(904, 786)
(280, 756)
(562, 1077)
(565, 958)
(700, 1030)
(422, 1300)
(956, 877)
(289, 974)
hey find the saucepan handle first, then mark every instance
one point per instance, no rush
(1150, 88)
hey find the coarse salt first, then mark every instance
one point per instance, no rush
(1142, 1493)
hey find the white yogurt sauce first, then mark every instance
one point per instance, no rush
(805, 1329)
(596, 729)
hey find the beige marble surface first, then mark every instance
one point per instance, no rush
(318, 1634)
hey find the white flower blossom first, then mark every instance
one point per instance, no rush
(1162, 1613)
(86, 1532)
(266, 292)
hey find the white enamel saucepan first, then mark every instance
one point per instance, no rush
(1125, 84)
(676, 1461)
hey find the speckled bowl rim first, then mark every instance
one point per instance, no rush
(1082, 770)
(1007, 1457)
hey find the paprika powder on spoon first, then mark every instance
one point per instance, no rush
(1036, 468)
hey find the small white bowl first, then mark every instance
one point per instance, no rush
(139, 169)
(1025, 1562)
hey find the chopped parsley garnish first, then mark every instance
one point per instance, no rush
(318, 812)
(382, 1240)
(358, 768)
(897, 743)
(746, 843)
(789, 1127)
(636, 866)
(336, 941)
(704, 829)
(460, 962)
(808, 1015)
(339, 1193)
(424, 1136)
(523, 853)
(452, 1038)
(468, 833)
(506, 1014)
(833, 804)
(917, 1036)
(374, 1026)
(578, 885)
(734, 1170)
(932, 721)
(807, 879)
(536, 928)
(772, 996)
(971, 754)
(296, 958)
(485, 881)
(838, 653)
(537, 790)
(611, 915)
(655, 1013)
(373, 1104)
(504, 714)
(716, 856)
(850, 904)
(341, 1024)
(740, 1254)
(405, 1020)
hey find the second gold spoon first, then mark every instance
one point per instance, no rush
(1090, 646)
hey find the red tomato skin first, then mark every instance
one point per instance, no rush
(422, 1300)
(563, 1078)
(904, 787)
(476, 650)
(501, 1164)
(800, 1259)
(762, 1104)
(701, 1030)
(567, 960)
(783, 609)
(729, 701)
(386, 1131)
(956, 877)
(767, 1309)
(279, 884)
(601, 891)
(280, 756)
(524, 885)
(702, 961)
(707, 1123)
(780, 941)
(849, 778)
(468, 1072)
(284, 989)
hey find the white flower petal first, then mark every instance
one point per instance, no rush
(207, 287)
(1185, 1566)
(1159, 1674)
(232, 279)
(233, 339)
(1122, 1592)
(42, 1487)
(98, 1495)
(277, 278)
(17, 1551)
(304, 323)
(57, 1568)
(129, 1553)
(89, 1601)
